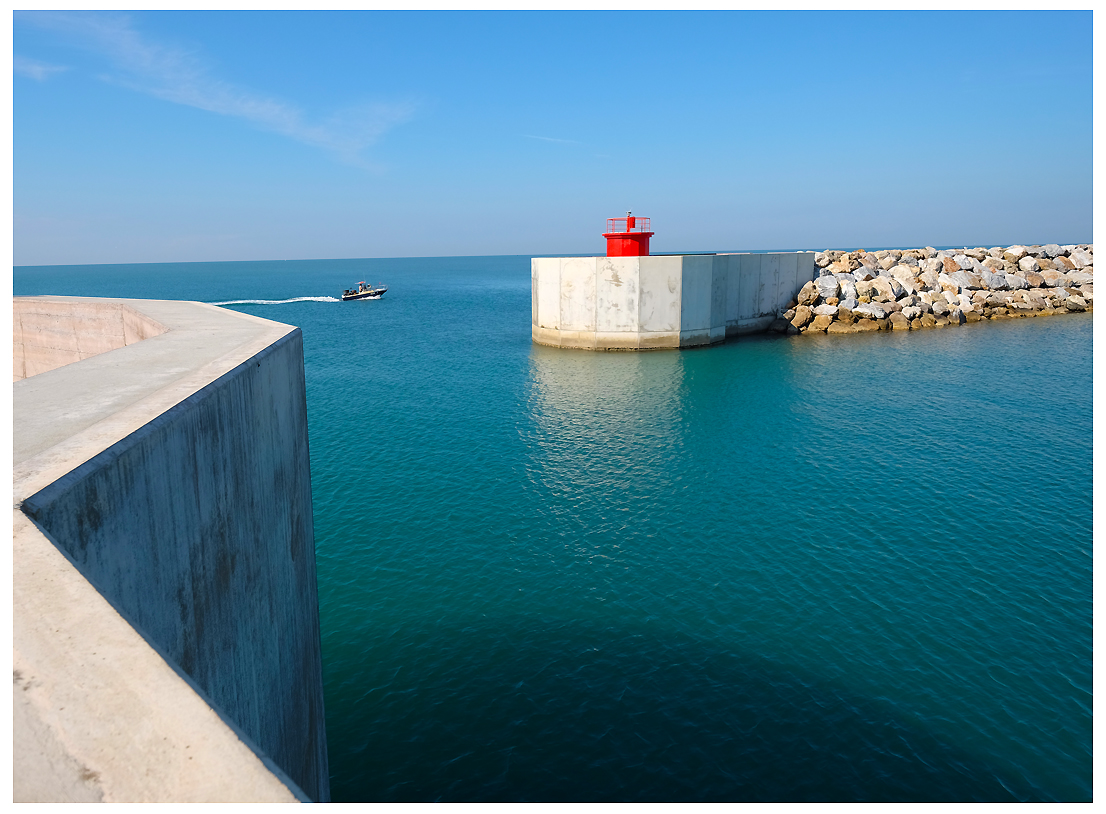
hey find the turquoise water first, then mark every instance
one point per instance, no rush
(830, 568)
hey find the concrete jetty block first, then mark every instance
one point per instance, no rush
(660, 301)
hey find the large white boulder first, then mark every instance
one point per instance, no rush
(1028, 264)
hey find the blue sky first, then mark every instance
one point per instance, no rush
(179, 136)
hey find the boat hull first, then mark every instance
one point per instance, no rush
(366, 294)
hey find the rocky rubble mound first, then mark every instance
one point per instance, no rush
(910, 289)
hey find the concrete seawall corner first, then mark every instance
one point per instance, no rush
(166, 629)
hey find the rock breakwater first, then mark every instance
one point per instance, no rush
(911, 289)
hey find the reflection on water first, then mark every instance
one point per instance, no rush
(602, 439)
(602, 420)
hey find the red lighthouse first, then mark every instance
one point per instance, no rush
(628, 236)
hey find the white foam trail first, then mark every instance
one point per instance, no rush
(276, 302)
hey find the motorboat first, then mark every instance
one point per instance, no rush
(364, 291)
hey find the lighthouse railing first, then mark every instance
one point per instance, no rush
(630, 224)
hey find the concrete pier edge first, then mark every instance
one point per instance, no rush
(103, 711)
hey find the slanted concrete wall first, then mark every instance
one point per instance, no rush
(186, 503)
(660, 301)
(48, 334)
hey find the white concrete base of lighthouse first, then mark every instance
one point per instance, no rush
(660, 301)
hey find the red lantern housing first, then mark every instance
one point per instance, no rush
(628, 236)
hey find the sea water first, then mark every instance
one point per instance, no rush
(785, 568)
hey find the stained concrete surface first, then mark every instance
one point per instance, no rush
(660, 301)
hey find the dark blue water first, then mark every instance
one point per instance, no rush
(787, 568)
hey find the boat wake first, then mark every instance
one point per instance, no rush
(276, 302)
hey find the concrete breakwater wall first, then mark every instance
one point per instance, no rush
(660, 301)
(911, 289)
(173, 652)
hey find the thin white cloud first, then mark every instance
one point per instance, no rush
(182, 77)
(556, 140)
(34, 69)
